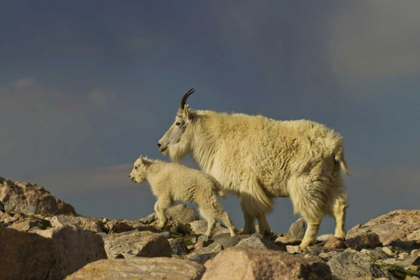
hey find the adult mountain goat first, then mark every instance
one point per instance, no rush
(259, 159)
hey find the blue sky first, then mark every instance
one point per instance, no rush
(88, 86)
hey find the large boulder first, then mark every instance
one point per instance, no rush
(75, 247)
(19, 196)
(136, 244)
(246, 263)
(54, 254)
(140, 268)
(396, 225)
(27, 256)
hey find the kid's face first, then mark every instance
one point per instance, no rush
(137, 175)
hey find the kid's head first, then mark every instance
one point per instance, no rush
(138, 174)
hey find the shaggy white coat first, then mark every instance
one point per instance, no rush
(172, 182)
(260, 158)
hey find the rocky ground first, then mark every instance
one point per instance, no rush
(41, 237)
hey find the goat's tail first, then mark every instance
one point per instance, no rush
(339, 157)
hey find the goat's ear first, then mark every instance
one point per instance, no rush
(141, 159)
(187, 113)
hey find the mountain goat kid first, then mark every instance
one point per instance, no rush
(259, 159)
(172, 182)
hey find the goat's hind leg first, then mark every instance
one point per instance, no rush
(224, 217)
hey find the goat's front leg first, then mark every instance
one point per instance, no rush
(161, 205)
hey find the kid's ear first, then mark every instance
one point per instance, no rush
(141, 159)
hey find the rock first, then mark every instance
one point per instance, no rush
(2, 207)
(31, 209)
(119, 226)
(315, 249)
(334, 243)
(54, 255)
(4, 216)
(402, 256)
(178, 246)
(201, 244)
(28, 256)
(200, 227)
(246, 263)
(404, 245)
(76, 247)
(293, 249)
(182, 213)
(75, 223)
(404, 263)
(140, 268)
(374, 254)
(347, 265)
(10, 206)
(297, 229)
(202, 238)
(398, 224)
(203, 254)
(136, 244)
(324, 238)
(177, 228)
(314, 258)
(24, 225)
(256, 241)
(388, 251)
(228, 241)
(363, 240)
(415, 253)
(148, 220)
(328, 255)
(415, 235)
(24, 195)
(287, 239)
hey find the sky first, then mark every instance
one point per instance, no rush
(88, 86)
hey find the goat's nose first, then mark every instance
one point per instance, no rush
(159, 145)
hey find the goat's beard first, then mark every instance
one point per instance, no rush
(178, 151)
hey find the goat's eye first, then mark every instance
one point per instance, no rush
(135, 167)
(178, 124)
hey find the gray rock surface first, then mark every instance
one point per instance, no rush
(178, 247)
(256, 241)
(203, 254)
(348, 265)
(297, 229)
(136, 244)
(228, 241)
(182, 213)
(363, 240)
